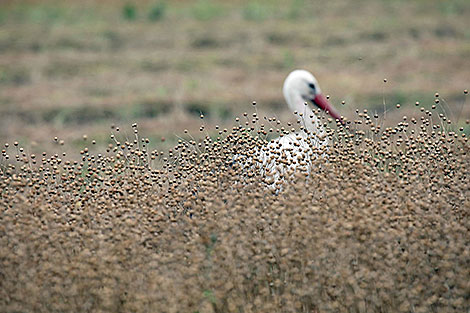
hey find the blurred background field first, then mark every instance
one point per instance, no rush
(69, 68)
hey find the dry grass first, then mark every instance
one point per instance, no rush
(381, 224)
(67, 65)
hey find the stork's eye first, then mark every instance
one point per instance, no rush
(312, 86)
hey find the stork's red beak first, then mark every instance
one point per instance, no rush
(321, 101)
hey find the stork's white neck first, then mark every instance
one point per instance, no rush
(309, 119)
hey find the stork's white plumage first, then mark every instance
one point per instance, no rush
(296, 150)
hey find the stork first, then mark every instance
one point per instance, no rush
(296, 150)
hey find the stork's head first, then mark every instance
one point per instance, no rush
(300, 87)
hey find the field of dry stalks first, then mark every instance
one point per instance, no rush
(74, 68)
(163, 214)
(381, 223)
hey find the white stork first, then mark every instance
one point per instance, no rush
(296, 150)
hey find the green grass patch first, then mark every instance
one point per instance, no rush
(157, 11)
(295, 9)
(41, 14)
(255, 11)
(47, 14)
(129, 11)
(92, 114)
(145, 109)
(205, 10)
(14, 75)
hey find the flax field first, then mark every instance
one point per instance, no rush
(131, 177)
